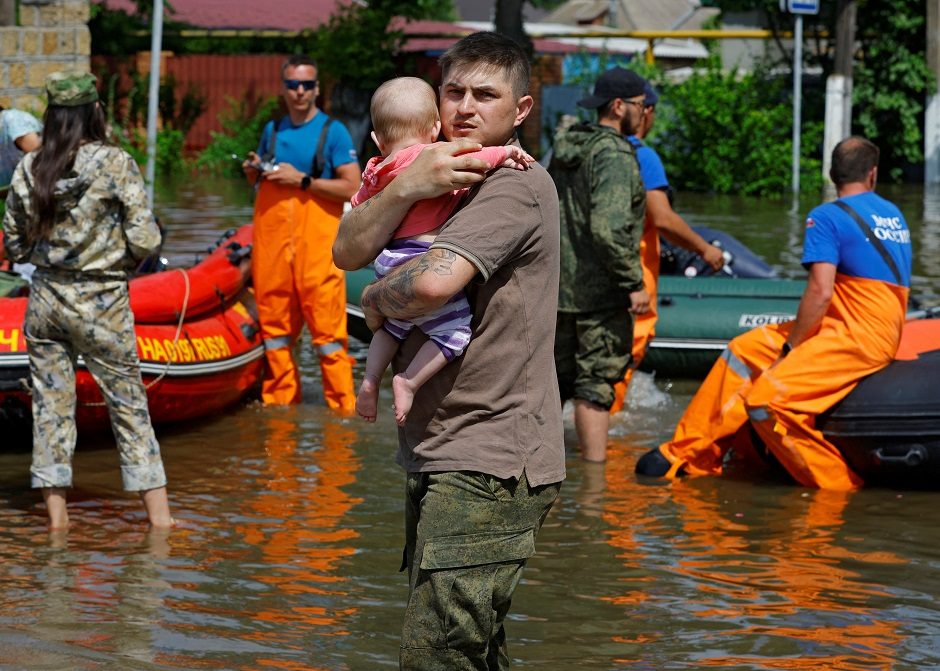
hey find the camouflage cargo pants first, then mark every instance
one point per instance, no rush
(67, 317)
(592, 353)
(468, 536)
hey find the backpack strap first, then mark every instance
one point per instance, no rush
(269, 153)
(316, 167)
(877, 244)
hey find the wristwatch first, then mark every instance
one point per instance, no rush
(305, 182)
(785, 349)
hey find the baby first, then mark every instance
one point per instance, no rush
(406, 119)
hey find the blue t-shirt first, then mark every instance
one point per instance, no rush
(651, 166)
(14, 124)
(296, 145)
(832, 236)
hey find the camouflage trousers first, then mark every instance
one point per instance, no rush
(467, 538)
(592, 353)
(67, 317)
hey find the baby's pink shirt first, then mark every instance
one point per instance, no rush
(425, 215)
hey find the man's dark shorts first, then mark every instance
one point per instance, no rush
(592, 353)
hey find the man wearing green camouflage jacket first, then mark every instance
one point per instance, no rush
(603, 204)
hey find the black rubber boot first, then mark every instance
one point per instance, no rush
(653, 463)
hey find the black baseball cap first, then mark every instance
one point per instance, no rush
(614, 83)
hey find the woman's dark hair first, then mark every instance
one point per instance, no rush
(64, 130)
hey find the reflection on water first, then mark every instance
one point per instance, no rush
(290, 536)
(929, 238)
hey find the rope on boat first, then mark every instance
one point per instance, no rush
(176, 339)
(179, 330)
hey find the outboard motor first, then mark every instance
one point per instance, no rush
(739, 260)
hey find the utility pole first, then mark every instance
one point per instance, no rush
(932, 115)
(839, 84)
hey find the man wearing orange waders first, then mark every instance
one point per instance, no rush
(661, 219)
(848, 325)
(307, 169)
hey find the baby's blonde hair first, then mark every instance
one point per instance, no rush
(403, 107)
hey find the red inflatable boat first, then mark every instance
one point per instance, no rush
(197, 336)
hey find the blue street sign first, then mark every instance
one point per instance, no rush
(803, 6)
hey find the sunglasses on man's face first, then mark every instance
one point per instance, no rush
(294, 84)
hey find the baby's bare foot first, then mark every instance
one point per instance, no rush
(404, 395)
(367, 401)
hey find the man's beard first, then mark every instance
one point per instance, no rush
(627, 127)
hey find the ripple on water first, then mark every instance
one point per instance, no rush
(290, 538)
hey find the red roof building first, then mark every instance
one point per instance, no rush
(287, 15)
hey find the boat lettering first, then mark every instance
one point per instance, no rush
(184, 351)
(10, 339)
(750, 321)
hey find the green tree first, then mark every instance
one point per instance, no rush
(722, 132)
(242, 123)
(127, 112)
(508, 19)
(358, 45)
(891, 77)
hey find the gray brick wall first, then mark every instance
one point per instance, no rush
(51, 35)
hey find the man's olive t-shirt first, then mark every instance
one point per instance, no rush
(496, 409)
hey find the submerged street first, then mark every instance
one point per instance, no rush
(290, 532)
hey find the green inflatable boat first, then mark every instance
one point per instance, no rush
(699, 315)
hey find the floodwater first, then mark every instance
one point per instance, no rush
(290, 535)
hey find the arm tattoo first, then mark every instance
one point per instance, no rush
(442, 261)
(368, 203)
(395, 296)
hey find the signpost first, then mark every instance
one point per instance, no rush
(799, 8)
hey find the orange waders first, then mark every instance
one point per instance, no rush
(858, 336)
(644, 324)
(296, 281)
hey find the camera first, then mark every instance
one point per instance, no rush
(262, 165)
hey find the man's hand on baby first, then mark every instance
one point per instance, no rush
(439, 168)
(517, 158)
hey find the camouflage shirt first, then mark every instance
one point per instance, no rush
(103, 224)
(603, 204)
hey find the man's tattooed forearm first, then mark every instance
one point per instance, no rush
(395, 295)
(374, 199)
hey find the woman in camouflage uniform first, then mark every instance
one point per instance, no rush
(77, 209)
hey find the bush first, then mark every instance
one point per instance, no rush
(242, 123)
(127, 115)
(169, 154)
(732, 133)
